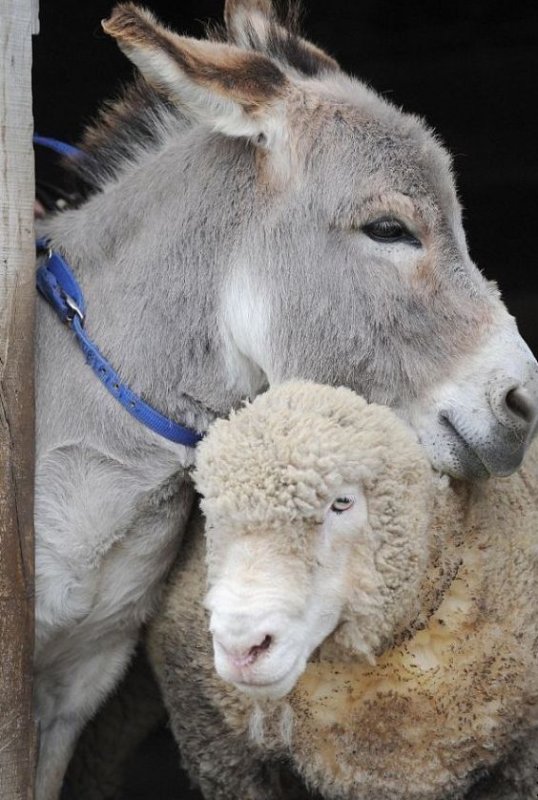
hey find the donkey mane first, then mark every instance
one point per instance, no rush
(133, 122)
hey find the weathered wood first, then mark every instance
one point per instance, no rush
(18, 20)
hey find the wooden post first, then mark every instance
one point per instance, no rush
(18, 21)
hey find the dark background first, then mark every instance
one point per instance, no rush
(469, 68)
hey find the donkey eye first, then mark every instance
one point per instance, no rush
(342, 504)
(389, 229)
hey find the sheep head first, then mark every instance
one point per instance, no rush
(318, 508)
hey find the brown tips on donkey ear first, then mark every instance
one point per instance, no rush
(231, 90)
(253, 25)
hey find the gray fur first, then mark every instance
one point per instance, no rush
(184, 216)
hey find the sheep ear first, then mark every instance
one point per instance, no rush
(253, 25)
(233, 91)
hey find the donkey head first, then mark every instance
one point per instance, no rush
(347, 263)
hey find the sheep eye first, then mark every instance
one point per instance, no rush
(342, 504)
(389, 230)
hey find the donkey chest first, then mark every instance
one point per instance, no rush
(102, 551)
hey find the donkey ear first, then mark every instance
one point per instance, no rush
(229, 89)
(253, 25)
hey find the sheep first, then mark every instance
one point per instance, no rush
(373, 625)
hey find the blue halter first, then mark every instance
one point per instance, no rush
(58, 285)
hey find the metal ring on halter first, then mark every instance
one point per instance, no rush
(77, 311)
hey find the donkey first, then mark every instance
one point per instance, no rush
(254, 215)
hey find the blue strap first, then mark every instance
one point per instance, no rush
(58, 285)
(61, 148)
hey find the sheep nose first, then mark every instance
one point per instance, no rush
(241, 656)
(516, 408)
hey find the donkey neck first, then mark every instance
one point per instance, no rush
(151, 252)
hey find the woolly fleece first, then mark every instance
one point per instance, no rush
(450, 708)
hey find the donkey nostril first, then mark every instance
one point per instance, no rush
(256, 651)
(520, 404)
